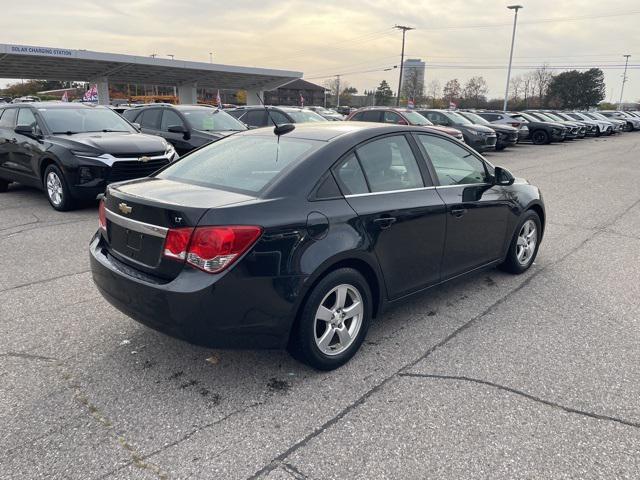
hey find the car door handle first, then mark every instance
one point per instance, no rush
(384, 222)
(458, 212)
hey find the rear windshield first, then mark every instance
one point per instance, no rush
(243, 163)
(212, 120)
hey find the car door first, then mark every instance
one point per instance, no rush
(386, 182)
(27, 148)
(181, 141)
(477, 211)
(7, 137)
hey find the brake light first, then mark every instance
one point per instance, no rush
(211, 249)
(177, 242)
(515, 124)
(102, 217)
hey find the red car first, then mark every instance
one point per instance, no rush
(399, 116)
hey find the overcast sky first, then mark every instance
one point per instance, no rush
(458, 38)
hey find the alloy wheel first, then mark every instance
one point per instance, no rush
(338, 319)
(527, 241)
(54, 188)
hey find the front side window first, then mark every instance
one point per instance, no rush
(303, 116)
(72, 120)
(244, 163)
(279, 117)
(453, 164)
(389, 164)
(255, 118)
(370, 116)
(170, 119)
(416, 119)
(8, 119)
(391, 117)
(26, 117)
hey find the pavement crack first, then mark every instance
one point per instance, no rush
(28, 356)
(96, 414)
(526, 395)
(294, 472)
(44, 280)
(279, 459)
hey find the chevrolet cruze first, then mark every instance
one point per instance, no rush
(299, 239)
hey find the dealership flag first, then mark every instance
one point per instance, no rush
(219, 100)
(452, 105)
(91, 95)
(65, 97)
(301, 100)
(410, 104)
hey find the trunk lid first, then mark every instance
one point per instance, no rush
(140, 213)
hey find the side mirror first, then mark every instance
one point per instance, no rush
(186, 134)
(503, 177)
(137, 126)
(26, 130)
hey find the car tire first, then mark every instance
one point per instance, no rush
(324, 322)
(56, 189)
(522, 250)
(500, 148)
(540, 137)
(4, 185)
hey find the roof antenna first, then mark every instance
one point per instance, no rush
(278, 129)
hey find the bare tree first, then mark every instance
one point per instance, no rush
(542, 77)
(475, 91)
(516, 86)
(413, 86)
(433, 91)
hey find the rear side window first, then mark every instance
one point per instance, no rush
(351, 177)
(255, 118)
(389, 164)
(151, 118)
(130, 114)
(279, 117)
(8, 119)
(391, 117)
(243, 163)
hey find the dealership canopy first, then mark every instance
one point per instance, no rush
(48, 63)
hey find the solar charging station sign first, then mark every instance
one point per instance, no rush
(40, 51)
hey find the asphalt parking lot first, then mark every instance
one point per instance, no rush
(494, 376)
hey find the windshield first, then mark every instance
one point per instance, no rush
(599, 116)
(477, 119)
(209, 119)
(303, 116)
(246, 163)
(576, 116)
(554, 117)
(415, 118)
(527, 117)
(563, 116)
(542, 117)
(80, 120)
(457, 118)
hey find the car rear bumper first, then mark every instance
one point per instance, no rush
(231, 310)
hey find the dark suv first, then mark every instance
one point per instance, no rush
(72, 151)
(541, 132)
(186, 127)
(256, 116)
(399, 116)
(479, 137)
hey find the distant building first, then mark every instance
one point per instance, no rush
(413, 77)
(289, 94)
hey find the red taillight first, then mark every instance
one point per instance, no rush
(177, 242)
(515, 124)
(102, 217)
(211, 249)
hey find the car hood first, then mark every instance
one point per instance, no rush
(477, 128)
(448, 130)
(112, 142)
(503, 128)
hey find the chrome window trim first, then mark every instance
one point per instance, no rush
(352, 195)
(135, 225)
(485, 184)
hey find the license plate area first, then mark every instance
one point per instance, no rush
(143, 248)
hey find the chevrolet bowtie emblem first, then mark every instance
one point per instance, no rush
(144, 159)
(124, 208)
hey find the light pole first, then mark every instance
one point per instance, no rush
(338, 90)
(513, 39)
(404, 32)
(624, 80)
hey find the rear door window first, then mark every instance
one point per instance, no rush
(391, 117)
(389, 164)
(350, 176)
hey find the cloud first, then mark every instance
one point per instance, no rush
(344, 36)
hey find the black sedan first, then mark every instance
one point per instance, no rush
(299, 240)
(73, 151)
(186, 127)
(480, 137)
(507, 135)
